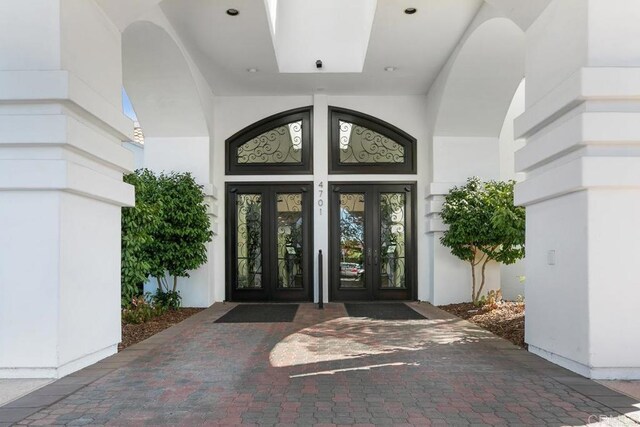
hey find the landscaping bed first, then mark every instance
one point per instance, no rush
(134, 333)
(506, 320)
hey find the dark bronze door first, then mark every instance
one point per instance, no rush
(269, 242)
(372, 254)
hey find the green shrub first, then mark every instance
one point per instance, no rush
(141, 310)
(138, 225)
(179, 243)
(170, 300)
(484, 225)
(166, 232)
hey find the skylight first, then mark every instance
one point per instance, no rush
(304, 32)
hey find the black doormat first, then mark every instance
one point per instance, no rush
(260, 313)
(383, 311)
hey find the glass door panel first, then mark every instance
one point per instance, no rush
(249, 241)
(290, 247)
(352, 240)
(392, 240)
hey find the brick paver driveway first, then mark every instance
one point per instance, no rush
(324, 368)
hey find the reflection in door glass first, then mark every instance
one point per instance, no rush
(249, 238)
(352, 249)
(289, 248)
(392, 240)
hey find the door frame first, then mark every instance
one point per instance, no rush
(411, 231)
(270, 227)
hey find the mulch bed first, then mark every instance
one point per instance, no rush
(506, 321)
(132, 334)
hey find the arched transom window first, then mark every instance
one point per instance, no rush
(281, 143)
(365, 144)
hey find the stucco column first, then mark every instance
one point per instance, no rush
(61, 189)
(582, 191)
(321, 192)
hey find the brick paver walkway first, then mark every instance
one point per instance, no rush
(324, 369)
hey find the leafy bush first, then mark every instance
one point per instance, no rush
(170, 300)
(140, 310)
(138, 225)
(484, 225)
(166, 232)
(179, 243)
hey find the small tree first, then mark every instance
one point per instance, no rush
(180, 241)
(484, 225)
(138, 225)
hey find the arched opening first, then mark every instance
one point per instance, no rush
(475, 102)
(161, 87)
(473, 135)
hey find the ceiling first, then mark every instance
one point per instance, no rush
(225, 47)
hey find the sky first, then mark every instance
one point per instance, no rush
(127, 108)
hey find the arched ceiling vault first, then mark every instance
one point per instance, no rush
(481, 84)
(159, 83)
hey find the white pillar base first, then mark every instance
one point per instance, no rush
(596, 373)
(55, 372)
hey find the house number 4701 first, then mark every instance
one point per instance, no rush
(320, 191)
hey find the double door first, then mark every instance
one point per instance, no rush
(269, 242)
(372, 254)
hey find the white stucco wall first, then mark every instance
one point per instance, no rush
(555, 290)
(456, 159)
(77, 299)
(138, 153)
(186, 154)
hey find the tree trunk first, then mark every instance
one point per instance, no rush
(175, 283)
(473, 281)
(484, 267)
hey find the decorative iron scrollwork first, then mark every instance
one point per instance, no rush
(249, 241)
(279, 145)
(361, 145)
(365, 144)
(392, 240)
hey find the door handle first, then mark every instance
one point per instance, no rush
(368, 256)
(375, 257)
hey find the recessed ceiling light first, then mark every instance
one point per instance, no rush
(410, 10)
(390, 68)
(233, 12)
(252, 70)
